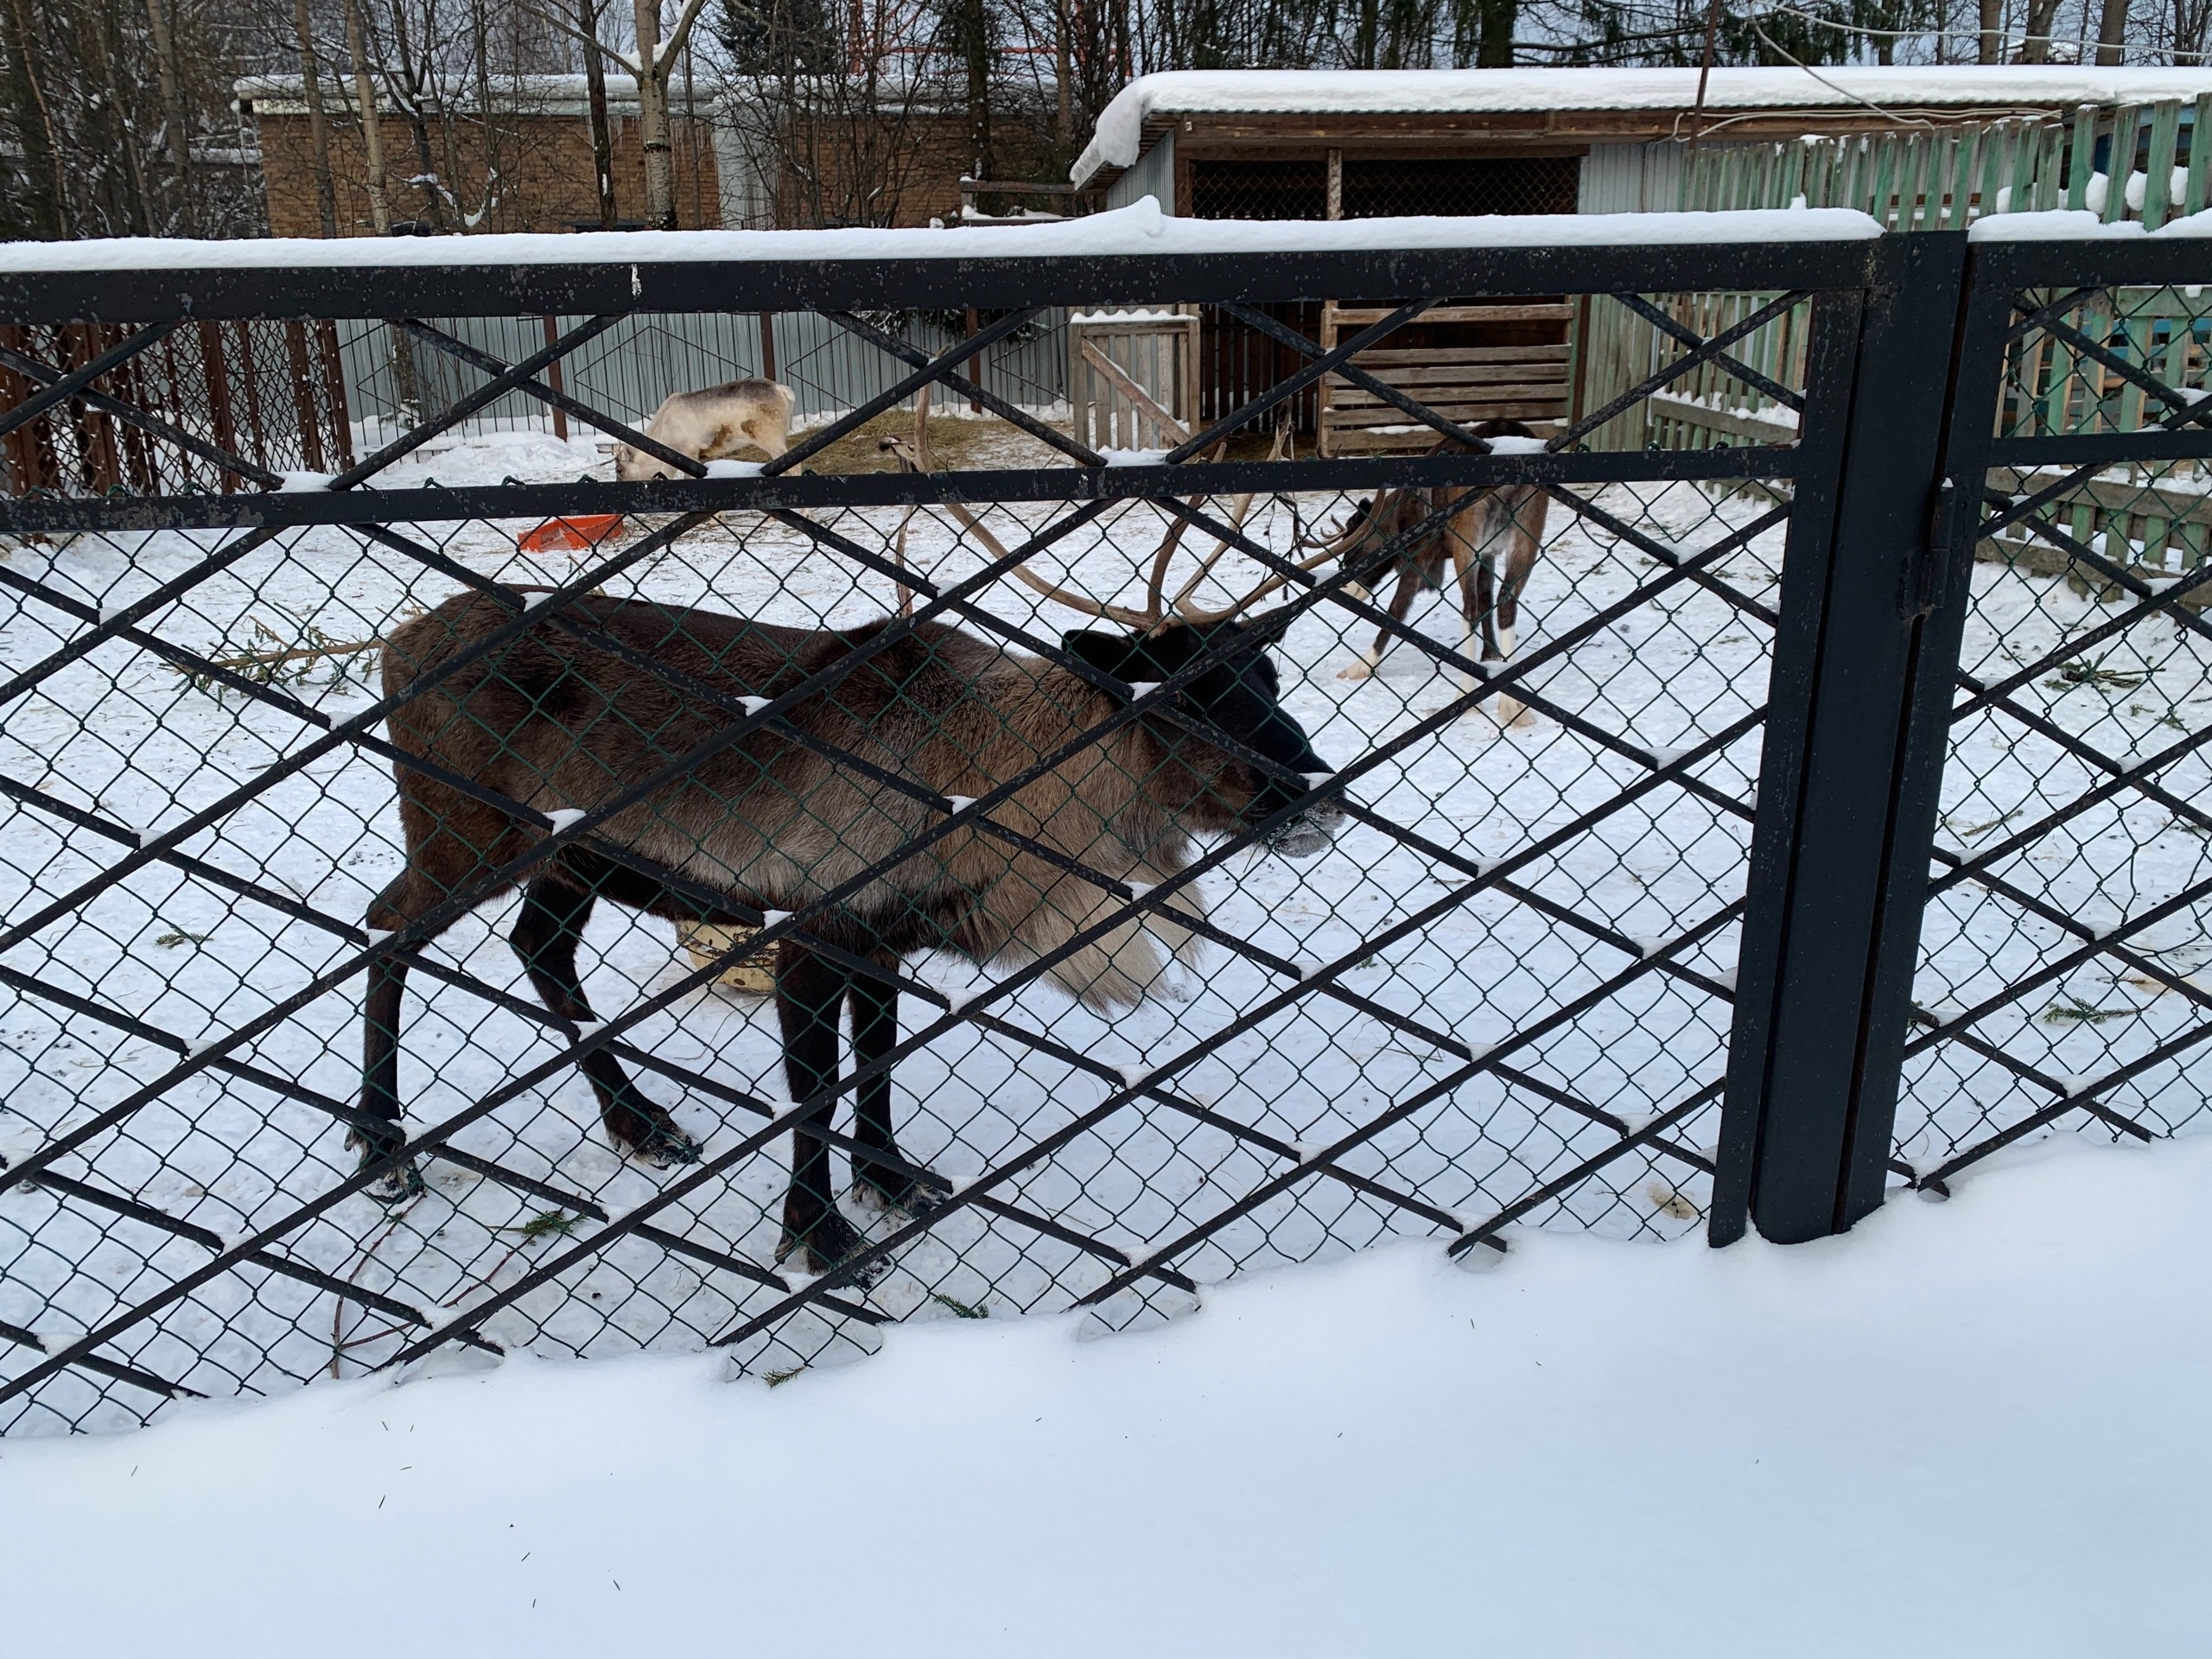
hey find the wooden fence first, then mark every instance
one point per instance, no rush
(2155, 520)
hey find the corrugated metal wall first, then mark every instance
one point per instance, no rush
(1631, 178)
(1153, 176)
(627, 371)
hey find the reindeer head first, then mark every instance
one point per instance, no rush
(633, 466)
(1240, 696)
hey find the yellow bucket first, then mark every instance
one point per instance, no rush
(707, 942)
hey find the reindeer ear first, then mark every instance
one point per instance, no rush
(1110, 653)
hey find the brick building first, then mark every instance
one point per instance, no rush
(540, 138)
(900, 164)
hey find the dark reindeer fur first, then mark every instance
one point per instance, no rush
(559, 722)
(1504, 525)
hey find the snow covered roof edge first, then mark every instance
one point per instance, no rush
(1140, 229)
(1118, 138)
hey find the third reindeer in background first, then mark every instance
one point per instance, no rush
(1492, 542)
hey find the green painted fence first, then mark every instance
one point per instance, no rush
(1926, 178)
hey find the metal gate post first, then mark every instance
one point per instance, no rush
(1865, 659)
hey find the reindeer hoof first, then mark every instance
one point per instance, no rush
(827, 1245)
(887, 1192)
(399, 1185)
(1512, 711)
(402, 1181)
(665, 1147)
(1354, 671)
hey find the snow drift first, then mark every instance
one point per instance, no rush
(1967, 1428)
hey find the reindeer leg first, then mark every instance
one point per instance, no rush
(545, 937)
(809, 995)
(875, 1033)
(1402, 603)
(1524, 516)
(1476, 585)
(378, 1139)
(1499, 636)
(376, 1134)
(1478, 597)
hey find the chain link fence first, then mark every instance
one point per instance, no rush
(211, 406)
(2060, 981)
(1184, 869)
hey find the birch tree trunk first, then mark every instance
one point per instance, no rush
(652, 119)
(404, 379)
(364, 94)
(480, 26)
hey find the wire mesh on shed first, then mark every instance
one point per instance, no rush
(1254, 189)
(1385, 187)
(1501, 996)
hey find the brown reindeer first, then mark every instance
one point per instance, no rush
(1503, 525)
(562, 718)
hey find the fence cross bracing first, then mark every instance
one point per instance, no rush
(2061, 981)
(1576, 968)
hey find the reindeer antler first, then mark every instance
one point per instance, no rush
(916, 460)
(1156, 613)
(1200, 617)
(1236, 514)
(997, 549)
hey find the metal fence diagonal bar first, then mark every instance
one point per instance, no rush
(167, 431)
(1683, 336)
(60, 386)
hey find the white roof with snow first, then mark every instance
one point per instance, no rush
(1954, 89)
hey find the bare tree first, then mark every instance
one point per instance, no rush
(602, 137)
(364, 96)
(175, 123)
(967, 26)
(2111, 33)
(116, 120)
(45, 193)
(326, 190)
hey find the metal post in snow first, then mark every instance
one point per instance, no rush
(1864, 658)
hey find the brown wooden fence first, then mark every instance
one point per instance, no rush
(267, 392)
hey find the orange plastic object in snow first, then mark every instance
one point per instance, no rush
(568, 535)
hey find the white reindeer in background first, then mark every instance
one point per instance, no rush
(712, 424)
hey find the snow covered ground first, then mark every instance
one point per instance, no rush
(122, 734)
(1966, 1429)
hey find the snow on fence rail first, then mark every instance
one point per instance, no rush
(1616, 924)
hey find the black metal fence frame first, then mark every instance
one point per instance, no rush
(1907, 339)
(2014, 290)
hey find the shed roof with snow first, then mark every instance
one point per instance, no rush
(1195, 138)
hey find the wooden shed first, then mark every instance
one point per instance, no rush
(1922, 148)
